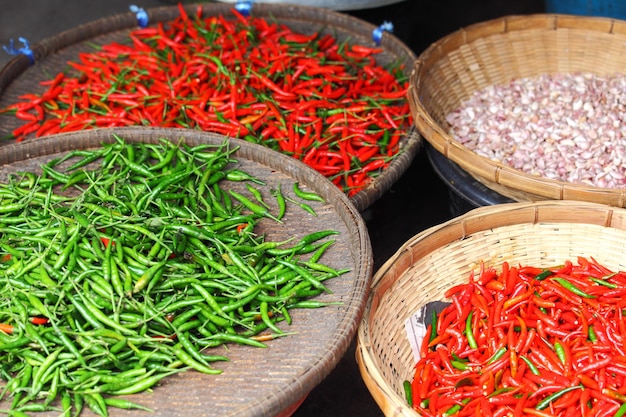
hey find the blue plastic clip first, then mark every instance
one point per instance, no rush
(244, 7)
(24, 50)
(142, 16)
(377, 34)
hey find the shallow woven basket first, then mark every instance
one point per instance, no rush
(255, 382)
(51, 55)
(495, 52)
(539, 234)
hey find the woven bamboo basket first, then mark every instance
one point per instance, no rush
(494, 53)
(52, 54)
(545, 233)
(255, 382)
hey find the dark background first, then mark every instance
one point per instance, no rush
(421, 199)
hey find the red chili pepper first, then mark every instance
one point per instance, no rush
(21, 132)
(592, 366)
(583, 403)
(509, 303)
(39, 320)
(6, 328)
(106, 241)
(374, 165)
(537, 413)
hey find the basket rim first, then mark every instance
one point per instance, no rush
(311, 15)
(483, 169)
(440, 235)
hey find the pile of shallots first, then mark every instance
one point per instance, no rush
(566, 127)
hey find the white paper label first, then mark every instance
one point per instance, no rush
(417, 324)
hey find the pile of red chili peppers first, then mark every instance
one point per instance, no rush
(527, 341)
(326, 103)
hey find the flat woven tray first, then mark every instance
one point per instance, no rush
(255, 382)
(52, 54)
(495, 52)
(545, 233)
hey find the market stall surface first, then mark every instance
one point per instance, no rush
(419, 200)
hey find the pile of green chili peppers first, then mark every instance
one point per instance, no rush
(121, 265)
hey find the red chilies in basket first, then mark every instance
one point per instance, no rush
(528, 341)
(308, 96)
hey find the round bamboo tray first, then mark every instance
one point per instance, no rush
(52, 54)
(545, 233)
(494, 53)
(255, 382)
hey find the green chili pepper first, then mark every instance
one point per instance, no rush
(303, 206)
(433, 325)
(547, 400)
(497, 354)
(592, 334)
(500, 391)
(560, 352)
(408, 392)
(306, 195)
(469, 333)
(571, 287)
(603, 282)
(125, 404)
(238, 175)
(531, 365)
(95, 402)
(147, 277)
(255, 208)
(233, 338)
(544, 274)
(280, 201)
(188, 360)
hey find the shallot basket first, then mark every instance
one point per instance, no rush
(541, 234)
(51, 56)
(496, 52)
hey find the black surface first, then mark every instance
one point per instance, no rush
(465, 191)
(422, 198)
